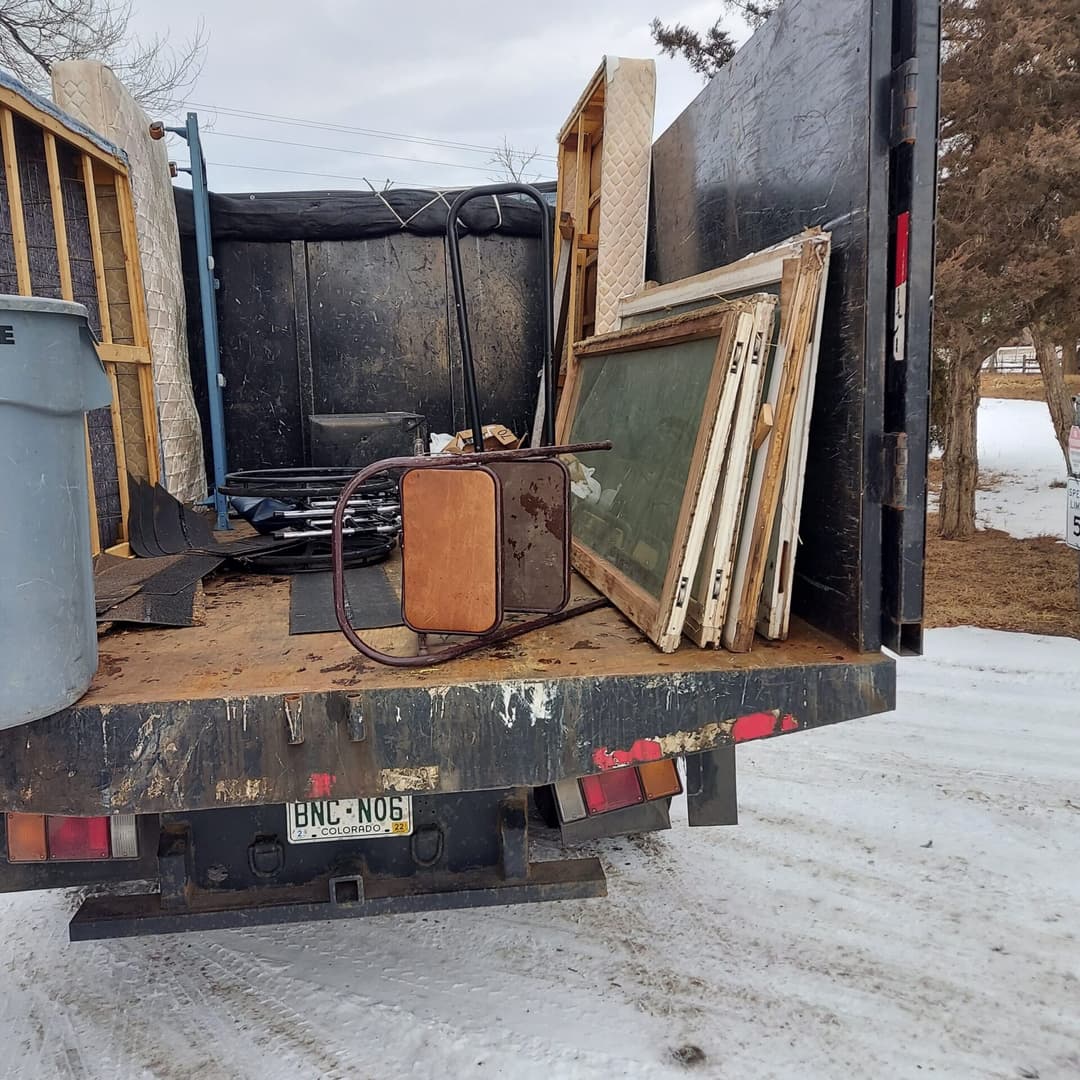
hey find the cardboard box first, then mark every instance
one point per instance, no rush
(496, 437)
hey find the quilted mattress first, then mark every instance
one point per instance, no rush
(624, 183)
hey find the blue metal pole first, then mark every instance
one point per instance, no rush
(204, 253)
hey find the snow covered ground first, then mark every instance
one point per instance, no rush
(900, 900)
(1017, 441)
(1018, 445)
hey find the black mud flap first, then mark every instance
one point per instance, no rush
(711, 796)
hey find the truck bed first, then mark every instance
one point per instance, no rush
(237, 712)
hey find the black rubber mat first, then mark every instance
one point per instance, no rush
(160, 525)
(369, 599)
(116, 595)
(168, 530)
(118, 582)
(185, 571)
(116, 579)
(155, 609)
(196, 527)
(141, 536)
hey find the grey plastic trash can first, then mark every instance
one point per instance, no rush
(50, 375)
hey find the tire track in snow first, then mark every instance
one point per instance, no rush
(455, 1002)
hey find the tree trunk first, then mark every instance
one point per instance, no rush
(960, 463)
(1058, 398)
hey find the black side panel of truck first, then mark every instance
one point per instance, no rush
(913, 195)
(797, 131)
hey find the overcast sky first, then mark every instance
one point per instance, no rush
(460, 72)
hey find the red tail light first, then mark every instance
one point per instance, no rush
(615, 789)
(36, 837)
(75, 838)
(611, 790)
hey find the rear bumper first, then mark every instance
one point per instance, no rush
(212, 753)
(134, 916)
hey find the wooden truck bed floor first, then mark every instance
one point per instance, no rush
(244, 647)
(238, 712)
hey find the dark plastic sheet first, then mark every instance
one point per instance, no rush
(356, 215)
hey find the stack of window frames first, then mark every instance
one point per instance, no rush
(745, 576)
(666, 395)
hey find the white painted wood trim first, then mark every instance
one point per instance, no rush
(729, 507)
(775, 612)
(751, 272)
(714, 460)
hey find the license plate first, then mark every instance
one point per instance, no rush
(349, 819)
(1072, 522)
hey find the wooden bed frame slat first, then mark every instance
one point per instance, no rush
(103, 175)
(580, 141)
(47, 122)
(112, 353)
(140, 324)
(56, 201)
(105, 318)
(95, 248)
(15, 203)
(67, 292)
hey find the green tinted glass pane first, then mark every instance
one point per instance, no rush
(705, 567)
(649, 404)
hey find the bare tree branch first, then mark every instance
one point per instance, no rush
(514, 164)
(36, 34)
(706, 55)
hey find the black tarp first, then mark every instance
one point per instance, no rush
(326, 304)
(357, 215)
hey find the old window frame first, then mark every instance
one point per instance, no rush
(731, 324)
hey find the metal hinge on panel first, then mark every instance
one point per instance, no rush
(895, 466)
(684, 586)
(905, 99)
